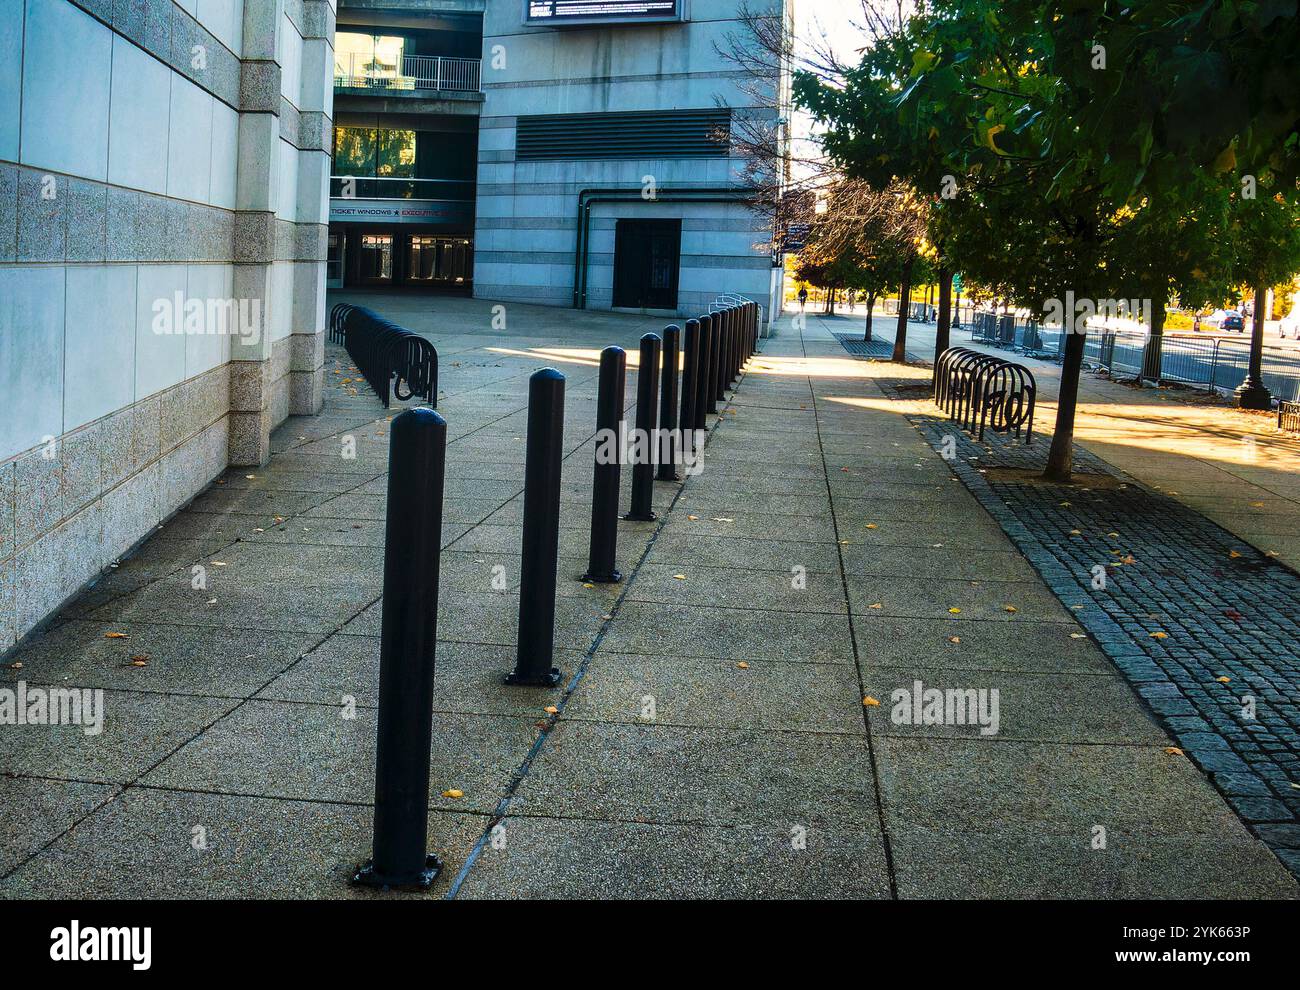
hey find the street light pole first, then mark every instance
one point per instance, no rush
(1252, 393)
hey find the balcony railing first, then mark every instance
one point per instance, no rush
(387, 187)
(411, 72)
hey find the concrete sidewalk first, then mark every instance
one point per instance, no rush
(711, 738)
(1230, 465)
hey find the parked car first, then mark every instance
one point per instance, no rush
(1234, 321)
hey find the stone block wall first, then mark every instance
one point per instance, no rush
(155, 156)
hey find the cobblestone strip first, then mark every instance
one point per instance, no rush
(1205, 626)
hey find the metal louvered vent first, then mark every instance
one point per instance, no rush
(656, 134)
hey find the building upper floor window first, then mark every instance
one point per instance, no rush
(402, 163)
(368, 56)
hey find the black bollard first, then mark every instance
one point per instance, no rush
(408, 635)
(733, 349)
(709, 381)
(690, 381)
(747, 336)
(646, 444)
(541, 541)
(719, 370)
(604, 495)
(724, 358)
(668, 406)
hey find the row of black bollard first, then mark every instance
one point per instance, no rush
(712, 352)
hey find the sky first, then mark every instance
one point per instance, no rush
(833, 19)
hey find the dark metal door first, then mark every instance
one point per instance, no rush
(647, 259)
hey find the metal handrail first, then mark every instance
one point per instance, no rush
(427, 72)
(410, 181)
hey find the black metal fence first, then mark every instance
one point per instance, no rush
(393, 360)
(1213, 363)
(1288, 417)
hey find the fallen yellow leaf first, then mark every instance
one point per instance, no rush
(870, 702)
(1233, 554)
(954, 611)
(453, 793)
(742, 665)
(1173, 751)
(115, 635)
(954, 639)
(551, 710)
(871, 525)
(1223, 680)
(1009, 608)
(1160, 635)
(877, 605)
(679, 577)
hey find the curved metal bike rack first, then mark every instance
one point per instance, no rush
(393, 360)
(982, 391)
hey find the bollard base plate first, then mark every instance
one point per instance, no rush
(613, 577)
(368, 876)
(545, 680)
(634, 517)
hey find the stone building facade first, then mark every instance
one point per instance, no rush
(163, 195)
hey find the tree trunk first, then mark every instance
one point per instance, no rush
(1253, 393)
(1060, 459)
(1153, 353)
(942, 331)
(871, 305)
(904, 299)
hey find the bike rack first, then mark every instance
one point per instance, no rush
(982, 391)
(393, 360)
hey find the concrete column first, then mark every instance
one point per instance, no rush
(256, 197)
(315, 104)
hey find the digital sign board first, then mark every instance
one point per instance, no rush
(559, 12)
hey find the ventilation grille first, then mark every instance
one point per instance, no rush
(657, 134)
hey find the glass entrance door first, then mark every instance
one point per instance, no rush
(376, 258)
(434, 260)
(334, 261)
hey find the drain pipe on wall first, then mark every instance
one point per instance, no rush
(588, 197)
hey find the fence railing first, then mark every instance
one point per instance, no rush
(1212, 363)
(400, 187)
(431, 72)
